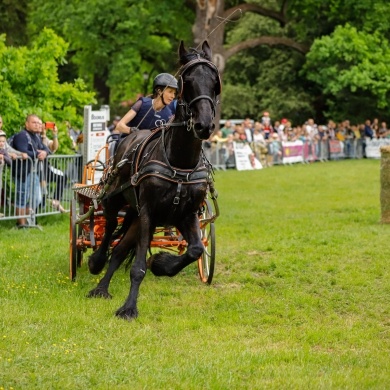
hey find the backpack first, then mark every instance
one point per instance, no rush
(10, 140)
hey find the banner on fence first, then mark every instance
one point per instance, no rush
(245, 158)
(336, 148)
(373, 147)
(292, 152)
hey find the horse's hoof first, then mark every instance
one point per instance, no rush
(99, 293)
(127, 313)
(95, 267)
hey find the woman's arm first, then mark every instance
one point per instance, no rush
(122, 124)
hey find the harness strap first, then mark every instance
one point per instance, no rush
(163, 171)
(91, 231)
(176, 199)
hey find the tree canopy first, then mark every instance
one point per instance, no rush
(29, 84)
(294, 58)
(117, 46)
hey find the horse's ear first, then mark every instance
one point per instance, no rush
(206, 49)
(182, 49)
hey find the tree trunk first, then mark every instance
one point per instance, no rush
(209, 27)
(100, 85)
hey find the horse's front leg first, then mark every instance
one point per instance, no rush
(98, 259)
(119, 254)
(129, 309)
(168, 264)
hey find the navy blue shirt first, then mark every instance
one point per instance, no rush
(147, 118)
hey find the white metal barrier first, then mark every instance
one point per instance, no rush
(29, 189)
(222, 154)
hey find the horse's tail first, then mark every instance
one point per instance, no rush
(127, 221)
(129, 259)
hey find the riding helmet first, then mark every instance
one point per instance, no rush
(164, 80)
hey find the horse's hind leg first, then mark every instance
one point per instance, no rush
(168, 264)
(119, 254)
(98, 259)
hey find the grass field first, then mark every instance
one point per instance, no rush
(300, 297)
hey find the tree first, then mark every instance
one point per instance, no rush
(271, 40)
(117, 47)
(29, 84)
(210, 21)
(357, 64)
(13, 15)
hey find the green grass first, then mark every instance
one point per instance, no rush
(300, 298)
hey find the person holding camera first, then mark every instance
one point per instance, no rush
(51, 174)
(52, 143)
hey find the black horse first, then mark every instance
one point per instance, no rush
(162, 177)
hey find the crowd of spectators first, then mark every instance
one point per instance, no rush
(26, 153)
(266, 136)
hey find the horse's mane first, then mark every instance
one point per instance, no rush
(192, 54)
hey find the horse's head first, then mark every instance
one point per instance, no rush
(199, 85)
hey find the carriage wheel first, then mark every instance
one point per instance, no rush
(206, 262)
(75, 254)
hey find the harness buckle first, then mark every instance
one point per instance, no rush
(134, 179)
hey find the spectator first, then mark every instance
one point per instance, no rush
(27, 181)
(375, 127)
(383, 131)
(368, 131)
(5, 158)
(52, 174)
(239, 134)
(230, 158)
(267, 125)
(323, 149)
(218, 137)
(259, 145)
(280, 126)
(73, 135)
(247, 124)
(349, 135)
(266, 120)
(10, 150)
(227, 129)
(274, 150)
(332, 130)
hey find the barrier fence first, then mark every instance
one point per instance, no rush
(30, 189)
(256, 155)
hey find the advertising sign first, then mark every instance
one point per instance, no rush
(95, 134)
(373, 147)
(292, 152)
(245, 158)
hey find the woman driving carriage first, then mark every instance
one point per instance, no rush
(152, 111)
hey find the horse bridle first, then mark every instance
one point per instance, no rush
(180, 90)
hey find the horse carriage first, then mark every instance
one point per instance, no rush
(157, 194)
(87, 232)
